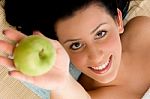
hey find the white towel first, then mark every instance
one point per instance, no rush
(146, 95)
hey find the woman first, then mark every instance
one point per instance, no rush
(113, 59)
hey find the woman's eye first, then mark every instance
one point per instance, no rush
(100, 34)
(76, 46)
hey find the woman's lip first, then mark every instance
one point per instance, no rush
(104, 70)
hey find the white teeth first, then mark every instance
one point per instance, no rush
(101, 66)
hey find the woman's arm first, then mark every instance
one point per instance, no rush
(58, 79)
(72, 90)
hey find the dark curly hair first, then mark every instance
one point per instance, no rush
(30, 15)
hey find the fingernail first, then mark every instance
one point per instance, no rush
(3, 32)
(35, 32)
(9, 72)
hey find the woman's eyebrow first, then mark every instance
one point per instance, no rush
(98, 27)
(71, 40)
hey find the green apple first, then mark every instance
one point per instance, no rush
(34, 55)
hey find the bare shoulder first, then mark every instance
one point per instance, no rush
(137, 33)
(108, 92)
(112, 92)
(139, 23)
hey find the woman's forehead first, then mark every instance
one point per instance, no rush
(84, 21)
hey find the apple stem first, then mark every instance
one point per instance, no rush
(41, 54)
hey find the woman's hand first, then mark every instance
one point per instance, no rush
(54, 79)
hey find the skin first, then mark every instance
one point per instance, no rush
(94, 47)
(120, 80)
(127, 48)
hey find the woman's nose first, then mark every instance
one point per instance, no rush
(95, 55)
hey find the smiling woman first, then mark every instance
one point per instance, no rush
(90, 34)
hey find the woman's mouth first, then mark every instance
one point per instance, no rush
(101, 69)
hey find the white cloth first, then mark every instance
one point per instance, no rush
(146, 95)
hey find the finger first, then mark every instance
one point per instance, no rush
(20, 76)
(8, 63)
(38, 33)
(6, 47)
(13, 34)
(55, 43)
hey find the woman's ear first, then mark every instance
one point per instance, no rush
(120, 21)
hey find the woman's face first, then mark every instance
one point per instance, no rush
(91, 38)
